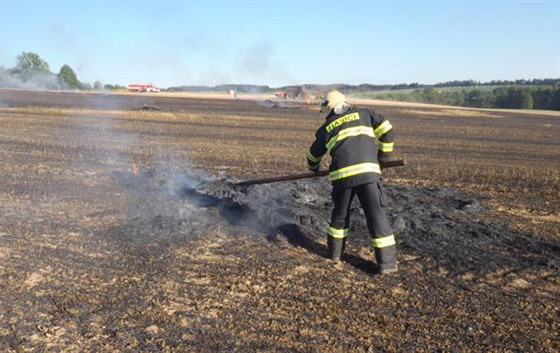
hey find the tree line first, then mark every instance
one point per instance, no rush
(517, 94)
(510, 97)
(31, 71)
(520, 82)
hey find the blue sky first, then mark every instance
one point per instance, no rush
(275, 43)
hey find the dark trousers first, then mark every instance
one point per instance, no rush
(372, 200)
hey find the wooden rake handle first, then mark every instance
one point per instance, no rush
(383, 165)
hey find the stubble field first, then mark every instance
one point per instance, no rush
(119, 233)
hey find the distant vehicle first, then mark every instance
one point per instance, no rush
(142, 87)
(293, 93)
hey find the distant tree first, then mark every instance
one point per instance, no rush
(429, 95)
(457, 98)
(115, 87)
(67, 78)
(555, 102)
(543, 98)
(30, 65)
(86, 86)
(525, 99)
(515, 97)
(416, 95)
(500, 97)
(478, 99)
(98, 85)
(398, 86)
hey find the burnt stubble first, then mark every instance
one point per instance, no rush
(121, 230)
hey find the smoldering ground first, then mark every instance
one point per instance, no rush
(191, 264)
(434, 222)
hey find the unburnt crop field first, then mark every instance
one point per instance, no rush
(120, 230)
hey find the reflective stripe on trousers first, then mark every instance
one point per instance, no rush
(338, 233)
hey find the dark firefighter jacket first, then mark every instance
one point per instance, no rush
(350, 139)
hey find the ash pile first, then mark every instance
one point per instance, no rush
(435, 222)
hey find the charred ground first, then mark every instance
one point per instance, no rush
(119, 232)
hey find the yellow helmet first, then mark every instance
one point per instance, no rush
(333, 99)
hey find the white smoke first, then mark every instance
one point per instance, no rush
(9, 79)
(258, 62)
(257, 59)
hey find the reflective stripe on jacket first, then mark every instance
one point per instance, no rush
(350, 139)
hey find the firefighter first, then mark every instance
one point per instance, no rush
(349, 135)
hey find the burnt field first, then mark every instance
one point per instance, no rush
(119, 231)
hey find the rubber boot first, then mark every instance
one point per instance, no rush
(386, 260)
(336, 247)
